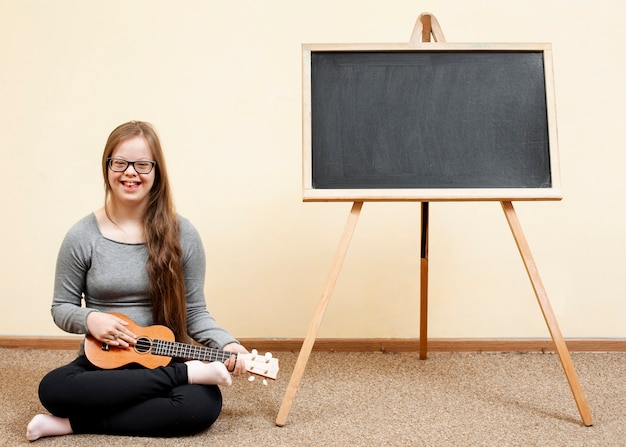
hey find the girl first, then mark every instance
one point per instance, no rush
(137, 257)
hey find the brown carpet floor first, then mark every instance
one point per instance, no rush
(363, 399)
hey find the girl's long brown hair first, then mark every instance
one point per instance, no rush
(161, 230)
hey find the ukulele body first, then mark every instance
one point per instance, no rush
(110, 357)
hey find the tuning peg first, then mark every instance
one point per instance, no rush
(268, 356)
(265, 382)
(254, 353)
(251, 379)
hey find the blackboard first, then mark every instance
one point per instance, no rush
(429, 122)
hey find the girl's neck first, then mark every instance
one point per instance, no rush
(121, 224)
(119, 213)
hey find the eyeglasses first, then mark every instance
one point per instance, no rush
(140, 166)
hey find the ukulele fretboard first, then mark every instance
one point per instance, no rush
(182, 350)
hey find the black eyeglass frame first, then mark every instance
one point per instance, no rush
(110, 161)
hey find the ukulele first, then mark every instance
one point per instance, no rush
(156, 346)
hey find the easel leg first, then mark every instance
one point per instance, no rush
(424, 284)
(548, 314)
(309, 340)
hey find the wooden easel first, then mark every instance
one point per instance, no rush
(426, 27)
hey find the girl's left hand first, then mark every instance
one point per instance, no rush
(236, 367)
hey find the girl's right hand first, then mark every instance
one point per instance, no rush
(110, 329)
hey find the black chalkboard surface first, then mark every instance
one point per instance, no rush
(429, 122)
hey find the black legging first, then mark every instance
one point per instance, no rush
(132, 401)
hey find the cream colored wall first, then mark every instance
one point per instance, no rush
(221, 81)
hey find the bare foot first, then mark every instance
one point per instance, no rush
(214, 373)
(43, 425)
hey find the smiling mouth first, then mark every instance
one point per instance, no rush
(131, 184)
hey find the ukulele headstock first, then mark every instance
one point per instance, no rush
(260, 365)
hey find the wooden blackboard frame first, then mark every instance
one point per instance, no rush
(312, 194)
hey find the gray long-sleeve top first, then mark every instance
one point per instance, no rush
(110, 276)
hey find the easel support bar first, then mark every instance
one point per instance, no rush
(548, 314)
(426, 26)
(309, 340)
(424, 283)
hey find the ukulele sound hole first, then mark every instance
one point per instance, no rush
(143, 345)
